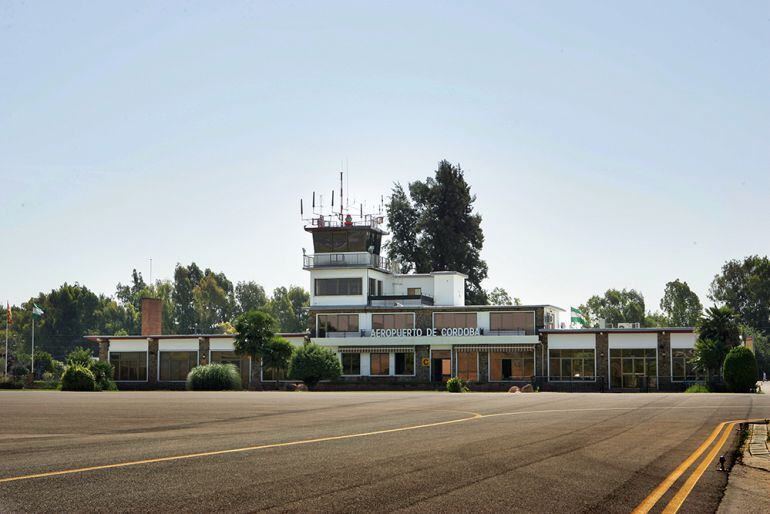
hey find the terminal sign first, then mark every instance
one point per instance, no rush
(429, 332)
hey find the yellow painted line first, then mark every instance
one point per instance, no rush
(657, 493)
(235, 450)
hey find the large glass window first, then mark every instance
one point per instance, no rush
(395, 321)
(633, 368)
(454, 320)
(174, 366)
(338, 286)
(511, 365)
(129, 365)
(405, 363)
(468, 366)
(351, 363)
(682, 369)
(379, 363)
(571, 365)
(225, 357)
(328, 324)
(523, 322)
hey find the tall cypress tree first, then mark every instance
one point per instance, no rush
(435, 229)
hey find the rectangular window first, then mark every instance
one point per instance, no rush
(351, 363)
(511, 365)
(468, 366)
(338, 286)
(394, 321)
(571, 365)
(225, 357)
(405, 363)
(129, 365)
(522, 322)
(454, 320)
(331, 324)
(379, 288)
(379, 363)
(372, 287)
(414, 291)
(633, 368)
(174, 366)
(682, 369)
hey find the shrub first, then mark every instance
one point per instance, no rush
(19, 370)
(312, 363)
(78, 378)
(214, 377)
(103, 374)
(698, 388)
(10, 383)
(80, 356)
(456, 385)
(43, 362)
(740, 370)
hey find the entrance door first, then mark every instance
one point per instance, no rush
(633, 369)
(441, 363)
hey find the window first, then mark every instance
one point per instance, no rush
(512, 322)
(571, 365)
(681, 367)
(468, 366)
(174, 366)
(223, 357)
(414, 291)
(454, 320)
(338, 286)
(405, 363)
(372, 287)
(351, 363)
(329, 324)
(511, 365)
(396, 321)
(379, 288)
(129, 365)
(379, 363)
(633, 368)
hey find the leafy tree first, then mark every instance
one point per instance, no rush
(276, 355)
(625, 306)
(499, 296)
(289, 307)
(761, 346)
(313, 363)
(186, 278)
(43, 362)
(745, 287)
(131, 293)
(708, 356)
(436, 230)
(740, 370)
(212, 304)
(680, 304)
(656, 319)
(720, 324)
(255, 330)
(250, 296)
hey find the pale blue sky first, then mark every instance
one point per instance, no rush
(609, 145)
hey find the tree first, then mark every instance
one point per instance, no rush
(212, 304)
(276, 356)
(708, 356)
(740, 370)
(250, 296)
(656, 319)
(626, 306)
(680, 304)
(313, 363)
(289, 307)
(499, 296)
(718, 332)
(436, 230)
(131, 294)
(255, 330)
(186, 278)
(745, 287)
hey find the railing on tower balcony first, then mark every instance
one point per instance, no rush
(399, 300)
(352, 259)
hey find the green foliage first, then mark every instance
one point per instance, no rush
(656, 319)
(51, 381)
(708, 356)
(18, 370)
(255, 330)
(744, 286)
(720, 324)
(698, 388)
(435, 229)
(499, 296)
(78, 378)
(104, 373)
(680, 304)
(214, 377)
(43, 362)
(740, 370)
(289, 307)
(277, 353)
(457, 385)
(624, 306)
(250, 296)
(80, 356)
(10, 383)
(313, 363)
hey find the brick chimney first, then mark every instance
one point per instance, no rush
(152, 316)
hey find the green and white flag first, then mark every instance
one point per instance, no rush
(37, 311)
(576, 316)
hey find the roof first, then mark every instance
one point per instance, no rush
(479, 308)
(595, 330)
(183, 336)
(431, 274)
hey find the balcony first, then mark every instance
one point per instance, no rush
(400, 300)
(349, 259)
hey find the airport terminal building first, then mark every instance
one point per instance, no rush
(396, 330)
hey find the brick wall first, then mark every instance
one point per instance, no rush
(152, 317)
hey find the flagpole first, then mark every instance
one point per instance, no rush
(6, 344)
(33, 344)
